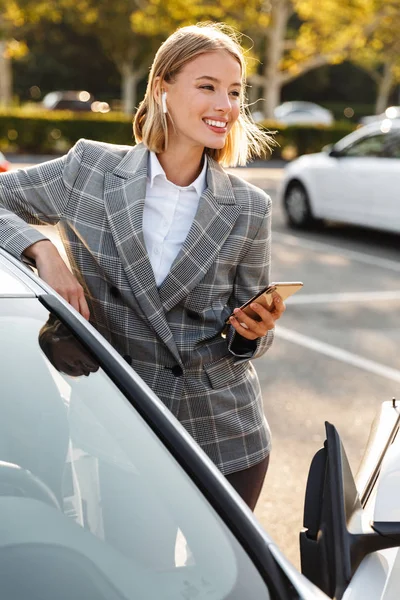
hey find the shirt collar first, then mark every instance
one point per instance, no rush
(154, 169)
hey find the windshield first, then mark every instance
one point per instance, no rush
(92, 505)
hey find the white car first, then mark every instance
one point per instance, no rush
(104, 496)
(303, 113)
(392, 112)
(349, 547)
(356, 181)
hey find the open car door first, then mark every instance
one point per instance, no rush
(336, 538)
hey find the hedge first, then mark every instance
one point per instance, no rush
(295, 140)
(45, 132)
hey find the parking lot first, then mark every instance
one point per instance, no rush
(335, 356)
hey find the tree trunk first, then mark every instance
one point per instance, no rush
(5, 76)
(129, 84)
(280, 12)
(253, 96)
(384, 88)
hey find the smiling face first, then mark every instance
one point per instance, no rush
(203, 102)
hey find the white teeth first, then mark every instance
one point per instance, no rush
(220, 124)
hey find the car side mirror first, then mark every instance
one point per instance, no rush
(335, 153)
(332, 546)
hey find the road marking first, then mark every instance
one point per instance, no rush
(337, 353)
(367, 259)
(344, 297)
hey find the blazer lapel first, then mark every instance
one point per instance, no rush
(215, 217)
(124, 194)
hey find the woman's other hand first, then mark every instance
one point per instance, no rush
(53, 270)
(252, 329)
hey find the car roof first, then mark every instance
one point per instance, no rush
(383, 126)
(300, 104)
(15, 281)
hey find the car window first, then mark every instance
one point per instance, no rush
(92, 505)
(369, 146)
(71, 105)
(392, 144)
(301, 111)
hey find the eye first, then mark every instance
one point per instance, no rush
(235, 93)
(207, 87)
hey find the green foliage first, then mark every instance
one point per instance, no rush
(383, 49)
(55, 52)
(295, 140)
(129, 32)
(44, 132)
(360, 110)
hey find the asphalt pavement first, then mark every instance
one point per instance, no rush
(335, 354)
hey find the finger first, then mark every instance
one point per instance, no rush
(279, 306)
(83, 307)
(73, 300)
(261, 325)
(243, 331)
(278, 302)
(253, 326)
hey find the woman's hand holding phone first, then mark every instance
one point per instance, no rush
(257, 316)
(250, 328)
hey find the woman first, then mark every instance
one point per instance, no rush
(164, 246)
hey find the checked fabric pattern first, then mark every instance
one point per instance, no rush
(170, 335)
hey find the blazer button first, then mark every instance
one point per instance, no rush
(177, 370)
(114, 291)
(127, 358)
(193, 315)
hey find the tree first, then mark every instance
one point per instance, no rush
(380, 57)
(130, 32)
(10, 18)
(321, 37)
(14, 15)
(55, 50)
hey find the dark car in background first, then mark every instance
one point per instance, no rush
(77, 101)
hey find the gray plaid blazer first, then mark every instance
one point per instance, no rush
(170, 335)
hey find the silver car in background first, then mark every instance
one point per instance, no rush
(298, 112)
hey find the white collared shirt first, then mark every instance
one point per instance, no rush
(168, 214)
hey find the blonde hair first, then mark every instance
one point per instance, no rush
(245, 140)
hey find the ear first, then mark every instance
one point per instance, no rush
(158, 89)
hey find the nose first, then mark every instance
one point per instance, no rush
(223, 103)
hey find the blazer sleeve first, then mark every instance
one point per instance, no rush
(252, 274)
(35, 196)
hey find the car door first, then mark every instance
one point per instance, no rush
(386, 205)
(100, 484)
(353, 184)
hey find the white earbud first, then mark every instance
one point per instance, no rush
(164, 102)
